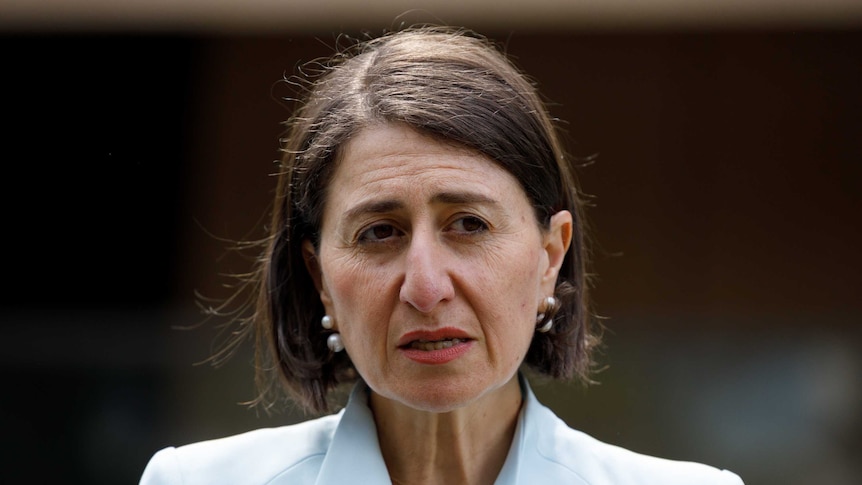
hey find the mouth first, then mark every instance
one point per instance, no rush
(435, 347)
(438, 339)
(428, 345)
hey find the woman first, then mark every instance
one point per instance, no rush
(427, 242)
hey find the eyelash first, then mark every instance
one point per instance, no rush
(483, 226)
(365, 237)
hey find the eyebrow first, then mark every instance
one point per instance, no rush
(462, 198)
(388, 205)
(374, 207)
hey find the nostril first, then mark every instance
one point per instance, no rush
(424, 291)
(423, 297)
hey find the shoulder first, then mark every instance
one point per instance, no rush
(587, 460)
(254, 457)
(597, 463)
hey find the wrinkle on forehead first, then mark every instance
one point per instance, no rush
(370, 157)
(387, 165)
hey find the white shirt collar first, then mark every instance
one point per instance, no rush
(354, 453)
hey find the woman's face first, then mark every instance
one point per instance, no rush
(433, 267)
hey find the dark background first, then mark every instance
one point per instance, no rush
(726, 228)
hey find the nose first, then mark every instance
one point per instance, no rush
(426, 278)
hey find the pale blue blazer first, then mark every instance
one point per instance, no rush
(343, 449)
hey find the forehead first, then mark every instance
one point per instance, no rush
(388, 157)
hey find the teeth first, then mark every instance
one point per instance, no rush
(435, 345)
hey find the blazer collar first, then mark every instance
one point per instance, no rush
(354, 452)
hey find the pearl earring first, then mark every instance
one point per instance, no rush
(334, 341)
(549, 306)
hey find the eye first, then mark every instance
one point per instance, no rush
(379, 233)
(469, 224)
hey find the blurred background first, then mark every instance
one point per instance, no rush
(139, 139)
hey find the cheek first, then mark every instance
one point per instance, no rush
(516, 274)
(358, 294)
(527, 291)
(343, 275)
(512, 289)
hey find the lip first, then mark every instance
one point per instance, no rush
(438, 334)
(437, 356)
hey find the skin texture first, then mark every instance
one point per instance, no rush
(419, 236)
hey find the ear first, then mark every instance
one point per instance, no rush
(557, 240)
(312, 265)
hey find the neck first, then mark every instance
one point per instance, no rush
(467, 445)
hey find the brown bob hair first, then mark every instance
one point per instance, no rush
(451, 84)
